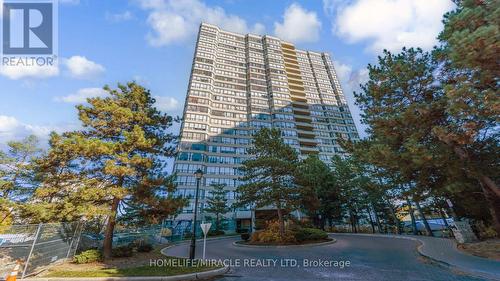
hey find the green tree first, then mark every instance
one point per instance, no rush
(406, 107)
(319, 196)
(17, 174)
(217, 203)
(470, 44)
(268, 176)
(117, 158)
(150, 204)
(351, 183)
(65, 193)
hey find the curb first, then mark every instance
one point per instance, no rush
(184, 277)
(189, 241)
(285, 246)
(420, 251)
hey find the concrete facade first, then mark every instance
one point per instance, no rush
(242, 83)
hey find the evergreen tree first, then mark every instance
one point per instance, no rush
(269, 175)
(17, 175)
(152, 204)
(319, 195)
(352, 184)
(470, 44)
(117, 158)
(406, 109)
(217, 203)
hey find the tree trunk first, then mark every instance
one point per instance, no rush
(426, 224)
(110, 227)
(486, 181)
(412, 215)
(494, 208)
(490, 184)
(377, 218)
(8, 213)
(322, 223)
(443, 217)
(281, 223)
(356, 221)
(353, 225)
(371, 220)
(394, 217)
(316, 220)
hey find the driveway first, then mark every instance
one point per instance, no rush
(362, 257)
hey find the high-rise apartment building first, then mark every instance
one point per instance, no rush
(242, 83)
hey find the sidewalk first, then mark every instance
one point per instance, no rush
(445, 252)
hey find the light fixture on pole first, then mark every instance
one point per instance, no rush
(192, 249)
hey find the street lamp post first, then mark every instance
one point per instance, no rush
(192, 249)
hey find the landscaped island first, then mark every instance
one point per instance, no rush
(294, 234)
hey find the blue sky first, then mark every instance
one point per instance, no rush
(152, 42)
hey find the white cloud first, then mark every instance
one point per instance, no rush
(177, 21)
(81, 68)
(350, 80)
(298, 25)
(388, 24)
(258, 29)
(344, 71)
(78, 67)
(119, 17)
(19, 72)
(82, 95)
(13, 129)
(7, 124)
(167, 104)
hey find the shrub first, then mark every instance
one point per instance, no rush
(488, 233)
(123, 252)
(215, 232)
(245, 236)
(88, 256)
(310, 234)
(145, 248)
(271, 234)
(302, 223)
(483, 231)
(339, 229)
(365, 229)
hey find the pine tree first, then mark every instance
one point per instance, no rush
(217, 203)
(319, 195)
(17, 175)
(268, 176)
(118, 158)
(470, 44)
(406, 109)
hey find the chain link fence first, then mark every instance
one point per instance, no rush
(37, 246)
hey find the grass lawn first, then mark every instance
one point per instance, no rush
(138, 265)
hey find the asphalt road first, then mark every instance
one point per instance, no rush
(370, 258)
